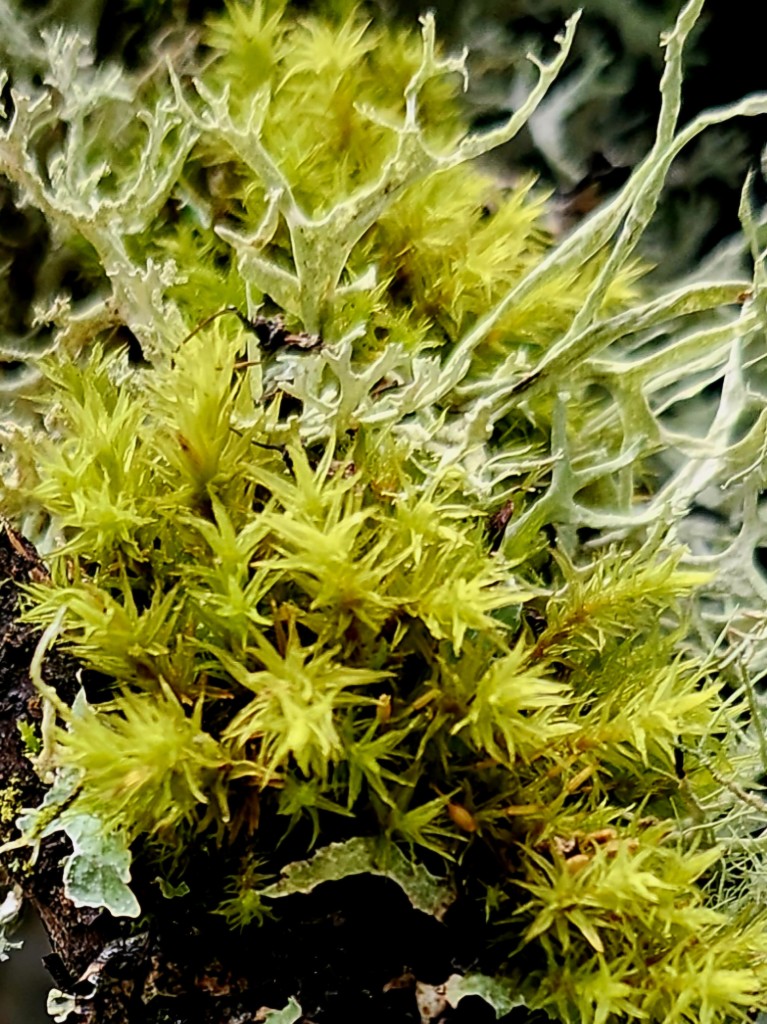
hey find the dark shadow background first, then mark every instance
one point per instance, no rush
(24, 984)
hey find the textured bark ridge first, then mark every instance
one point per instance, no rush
(75, 934)
(351, 951)
(78, 935)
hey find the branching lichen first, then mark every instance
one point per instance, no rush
(331, 566)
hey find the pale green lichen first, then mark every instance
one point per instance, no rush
(10, 910)
(318, 571)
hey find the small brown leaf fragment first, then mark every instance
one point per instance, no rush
(213, 986)
(602, 835)
(406, 980)
(514, 810)
(431, 1001)
(15, 542)
(383, 708)
(496, 525)
(464, 819)
(577, 862)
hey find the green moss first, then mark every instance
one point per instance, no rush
(336, 582)
(256, 591)
(10, 807)
(448, 249)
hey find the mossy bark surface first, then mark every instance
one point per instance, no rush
(350, 951)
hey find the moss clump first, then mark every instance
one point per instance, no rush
(445, 251)
(303, 642)
(327, 569)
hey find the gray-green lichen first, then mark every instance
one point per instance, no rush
(408, 560)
